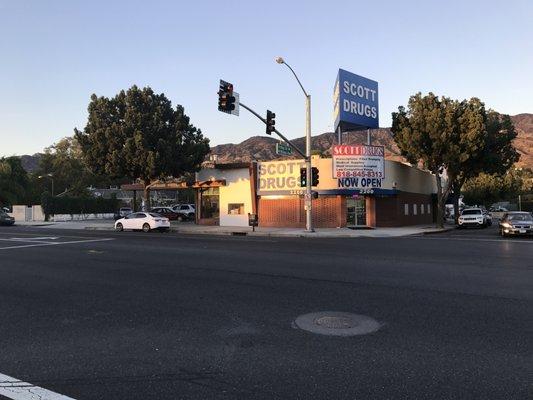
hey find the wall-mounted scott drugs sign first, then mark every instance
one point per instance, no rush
(358, 161)
(279, 177)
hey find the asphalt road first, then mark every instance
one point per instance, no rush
(105, 315)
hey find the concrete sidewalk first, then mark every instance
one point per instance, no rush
(193, 229)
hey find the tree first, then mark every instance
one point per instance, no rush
(64, 161)
(14, 181)
(139, 135)
(454, 138)
(495, 157)
(487, 189)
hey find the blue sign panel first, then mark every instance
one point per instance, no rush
(355, 102)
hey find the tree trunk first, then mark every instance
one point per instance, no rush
(442, 195)
(146, 195)
(440, 205)
(456, 194)
(456, 206)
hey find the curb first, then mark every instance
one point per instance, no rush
(271, 234)
(437, 231)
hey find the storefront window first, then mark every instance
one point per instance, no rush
(235, 208)
(210, 203)
(356, 211)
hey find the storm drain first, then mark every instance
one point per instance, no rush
(335, 323)
(239, 233)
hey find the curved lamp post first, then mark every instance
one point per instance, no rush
(51, 176)
(308, 201)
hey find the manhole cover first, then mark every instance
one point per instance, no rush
(337, 323)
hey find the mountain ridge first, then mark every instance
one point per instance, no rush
(263, 148)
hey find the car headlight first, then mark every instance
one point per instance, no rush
(506, 225)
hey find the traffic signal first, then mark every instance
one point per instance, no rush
(226, 99)
(270, 122)
(303, 177)
(314, 176)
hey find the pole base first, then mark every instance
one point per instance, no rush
(309, 231)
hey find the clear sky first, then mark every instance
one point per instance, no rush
(55, 53)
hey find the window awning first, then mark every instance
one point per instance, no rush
(209, 184)
(156, 185)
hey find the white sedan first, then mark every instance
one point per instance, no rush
(143, 220)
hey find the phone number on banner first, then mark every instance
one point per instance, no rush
(359, 174)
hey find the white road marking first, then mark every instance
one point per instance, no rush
(21, 240)
(37, 238)
(466, 239)
(15, 389)
(41, 244)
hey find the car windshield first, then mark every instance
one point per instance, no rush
(471, 212)
(520, 217)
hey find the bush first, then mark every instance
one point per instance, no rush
(77, 205)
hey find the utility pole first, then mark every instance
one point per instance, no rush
(308, 195)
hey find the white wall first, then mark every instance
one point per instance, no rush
(237, 190)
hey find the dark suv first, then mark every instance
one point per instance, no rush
(6, 219)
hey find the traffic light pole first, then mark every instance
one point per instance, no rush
(296, 149)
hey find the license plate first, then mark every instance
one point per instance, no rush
(522, 231)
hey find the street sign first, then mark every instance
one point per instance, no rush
(283, 149)
(355, 102)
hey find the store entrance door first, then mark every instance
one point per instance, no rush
(356, 212)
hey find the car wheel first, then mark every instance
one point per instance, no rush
(119, 227)
(191, 216)
(180, 218)
(146, 228)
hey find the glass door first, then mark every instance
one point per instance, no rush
(356, 211)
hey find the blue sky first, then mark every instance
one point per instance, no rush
(54, 54)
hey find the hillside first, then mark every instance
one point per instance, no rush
(524, 141)
(263, 148)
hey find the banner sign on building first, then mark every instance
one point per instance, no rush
(355, 102)
(359, 161)
(279, 177)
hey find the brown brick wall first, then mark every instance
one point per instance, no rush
(390, 210)
(328, 212)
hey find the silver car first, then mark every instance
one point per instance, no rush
(516, 223)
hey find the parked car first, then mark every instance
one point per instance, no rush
(516, 223)
(166, 212)
(187, 211)
(145, 221)
(122, 212)
(488, 217)
(473, 217)
(6, 219)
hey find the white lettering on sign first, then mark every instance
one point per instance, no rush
(279, 175)
(359, 108)
(359, 91)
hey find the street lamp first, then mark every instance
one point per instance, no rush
(308, 201)
(51, 176)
